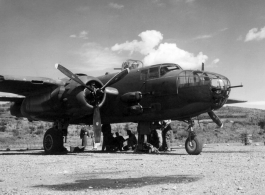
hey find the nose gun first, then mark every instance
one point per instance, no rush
(235, 86)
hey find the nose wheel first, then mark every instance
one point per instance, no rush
(193, 144)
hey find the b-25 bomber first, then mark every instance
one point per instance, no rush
(139, 94)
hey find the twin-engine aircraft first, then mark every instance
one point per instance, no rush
(139, 94)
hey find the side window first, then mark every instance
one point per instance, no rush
(182, 78)
(153, 73)
(143, 75)
(188, 78)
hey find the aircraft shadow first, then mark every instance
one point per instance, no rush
(107, 183)
(130, 152)
(226, 152)
(37, 152)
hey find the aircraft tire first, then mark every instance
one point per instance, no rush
(193, 147)
(52, 141)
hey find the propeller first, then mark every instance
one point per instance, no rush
(215, 119)
(94, 94)
(71, 75)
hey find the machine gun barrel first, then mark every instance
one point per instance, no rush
(235, 86)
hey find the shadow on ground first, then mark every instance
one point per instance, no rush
(41, 152)
(107, 183)
(226, 152)
(22, 152)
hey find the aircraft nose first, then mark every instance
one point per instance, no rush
(220, 89)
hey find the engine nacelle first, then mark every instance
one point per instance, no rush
(132, 97)
(65, 101)
(15, 109)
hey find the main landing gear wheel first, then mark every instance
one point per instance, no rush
(193, 145)
(53, 141)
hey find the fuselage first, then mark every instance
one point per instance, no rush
(167, 92)
(177, 94)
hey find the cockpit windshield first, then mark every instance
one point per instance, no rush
(191, 78)
(165, 68)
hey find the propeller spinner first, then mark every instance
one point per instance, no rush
(94, 94)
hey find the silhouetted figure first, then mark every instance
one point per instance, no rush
(106, 130)
(119, 141)
(156, 135)
(166, 134)
(83, 136)
(93, 141)
(131, 141)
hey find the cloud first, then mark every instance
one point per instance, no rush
(116, 6)
(214, 63)
(156, 52)
(223, 29)
(98, 57)
(73, 36)
(203, 37)
(150, 39)
(254, 34)
(81, 35)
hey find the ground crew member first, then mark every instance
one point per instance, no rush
(119, 141)
(166, 134)
(131, 141)
(83, 136)
(106, 130)
(156, 135)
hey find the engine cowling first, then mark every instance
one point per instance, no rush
(71, 100)
(15, 109)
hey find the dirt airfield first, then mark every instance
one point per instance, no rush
(220, 169)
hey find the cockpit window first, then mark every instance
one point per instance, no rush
(189, 78)
(144, 75)
(167, 68)
(153, 73)
(192, 78)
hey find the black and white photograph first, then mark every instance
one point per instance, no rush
(132, 97)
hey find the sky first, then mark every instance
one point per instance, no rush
(95, 36)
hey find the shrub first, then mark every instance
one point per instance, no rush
(15, 132)
(39, 131)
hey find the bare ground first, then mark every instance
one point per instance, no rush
(220, 169)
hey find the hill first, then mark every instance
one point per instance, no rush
(237, 121)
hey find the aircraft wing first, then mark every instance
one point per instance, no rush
(233, 101)
(11, 99)
(25, 85)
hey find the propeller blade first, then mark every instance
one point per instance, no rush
(71, 75)
(97, 124)
(116, 78)
(215, 119)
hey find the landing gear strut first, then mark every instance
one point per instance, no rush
(193, 144)
(54, 138)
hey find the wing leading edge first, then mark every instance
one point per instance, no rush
(25, 85)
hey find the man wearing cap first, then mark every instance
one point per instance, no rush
(166, 134)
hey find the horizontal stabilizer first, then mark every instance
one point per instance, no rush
(11, 99)
(233, 101)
